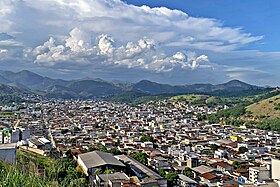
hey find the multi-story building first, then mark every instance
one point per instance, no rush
(259, 174)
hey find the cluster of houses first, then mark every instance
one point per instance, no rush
(167, 132)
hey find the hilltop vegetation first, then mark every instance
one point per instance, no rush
(260, 111)
(267, 108)
(210, 100)
(88, 88)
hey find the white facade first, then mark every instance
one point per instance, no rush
(1, 137)
(275, 165)
(258, 174)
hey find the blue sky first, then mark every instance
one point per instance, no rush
(167, 41)
(258, 17)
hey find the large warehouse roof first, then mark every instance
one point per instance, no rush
(98, 158)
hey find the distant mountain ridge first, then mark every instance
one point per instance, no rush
(12, 90)
(91, 88)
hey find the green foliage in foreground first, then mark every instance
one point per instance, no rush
(172, 178)
(12, 175)
(58, 172)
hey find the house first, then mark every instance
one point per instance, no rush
(146, 176)
(8, 153)
(46, 142)
(41, 143)
(209, 178)
(147, 144)
(159, 163)
(223, 166)
(185, 181)
(202, 169)
(259, 174)
(91, 161)
(34, 143)
(111, 180)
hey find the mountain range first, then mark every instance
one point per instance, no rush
(92, 88)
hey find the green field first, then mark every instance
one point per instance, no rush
(194, 98)
(6, 114)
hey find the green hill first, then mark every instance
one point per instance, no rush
(195, 98)
(269, 108)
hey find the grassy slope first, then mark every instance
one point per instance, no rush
(266, 107)
(190, 98)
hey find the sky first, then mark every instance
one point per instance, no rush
(167, 41)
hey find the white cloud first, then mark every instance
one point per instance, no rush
(124, 22)
(3, 52)
(142, 55)
(112, 35)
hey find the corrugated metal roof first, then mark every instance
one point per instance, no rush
(134, 163)
(113, 176)
(98, 158)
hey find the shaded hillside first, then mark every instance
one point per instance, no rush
(11, 90)
(92, 88)
(10, 94)
(28, 79)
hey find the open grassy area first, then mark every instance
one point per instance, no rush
(6, 114)
(190, 98)
(268, 107)
(199, 98)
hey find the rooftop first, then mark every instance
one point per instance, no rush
(138, 166)
(8, 146)
(98, 158)
(113, 177)
(203, 169)
(185, 178)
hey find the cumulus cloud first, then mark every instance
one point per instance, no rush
(104, 51)
(125, 22)
(3, 52)
(110, 35)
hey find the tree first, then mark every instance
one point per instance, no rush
(242, 150)
(172, 178)
(214, 147)
(141, 157)
(98, 171)
(161, 172)
(147, 139)
(188, 172)
(115, 151)
(90, 149)
(64, 131)
(109, 171)
(238, 165)
(103, 148)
